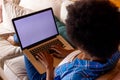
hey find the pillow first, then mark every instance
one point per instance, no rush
(35, 4)
(11, 10)
(42, 4)
(63, 13)
(56, 5)
(12, 1)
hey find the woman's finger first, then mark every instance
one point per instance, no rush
(39, 57)
(57, 55)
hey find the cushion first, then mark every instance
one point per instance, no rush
(14, 69)
(35, 4)
(42, 4)
(117, 76)
(11, 10)
(113, 74)
(63, 12)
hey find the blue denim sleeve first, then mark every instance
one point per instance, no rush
(16, 38)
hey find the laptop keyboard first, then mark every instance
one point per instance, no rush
(45, 47)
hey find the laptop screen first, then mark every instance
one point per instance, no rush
(35, 27)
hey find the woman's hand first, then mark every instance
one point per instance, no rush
(47, 60)
(60, 52)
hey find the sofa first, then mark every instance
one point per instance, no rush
(12, 65)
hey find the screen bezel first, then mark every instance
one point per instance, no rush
(39, 42)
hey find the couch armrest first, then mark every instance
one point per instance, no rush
(113, 74)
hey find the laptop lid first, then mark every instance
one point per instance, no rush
(35, 28)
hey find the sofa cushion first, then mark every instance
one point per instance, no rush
(63, 12)
(9, 11)
(14, 69)
(35, 4)
(113, 74)
(42, 4)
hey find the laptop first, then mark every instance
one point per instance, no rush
(37, 32)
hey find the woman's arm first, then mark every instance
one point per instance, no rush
(50, 73)
(47, 60)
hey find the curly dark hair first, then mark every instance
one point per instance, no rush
(94, 26)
